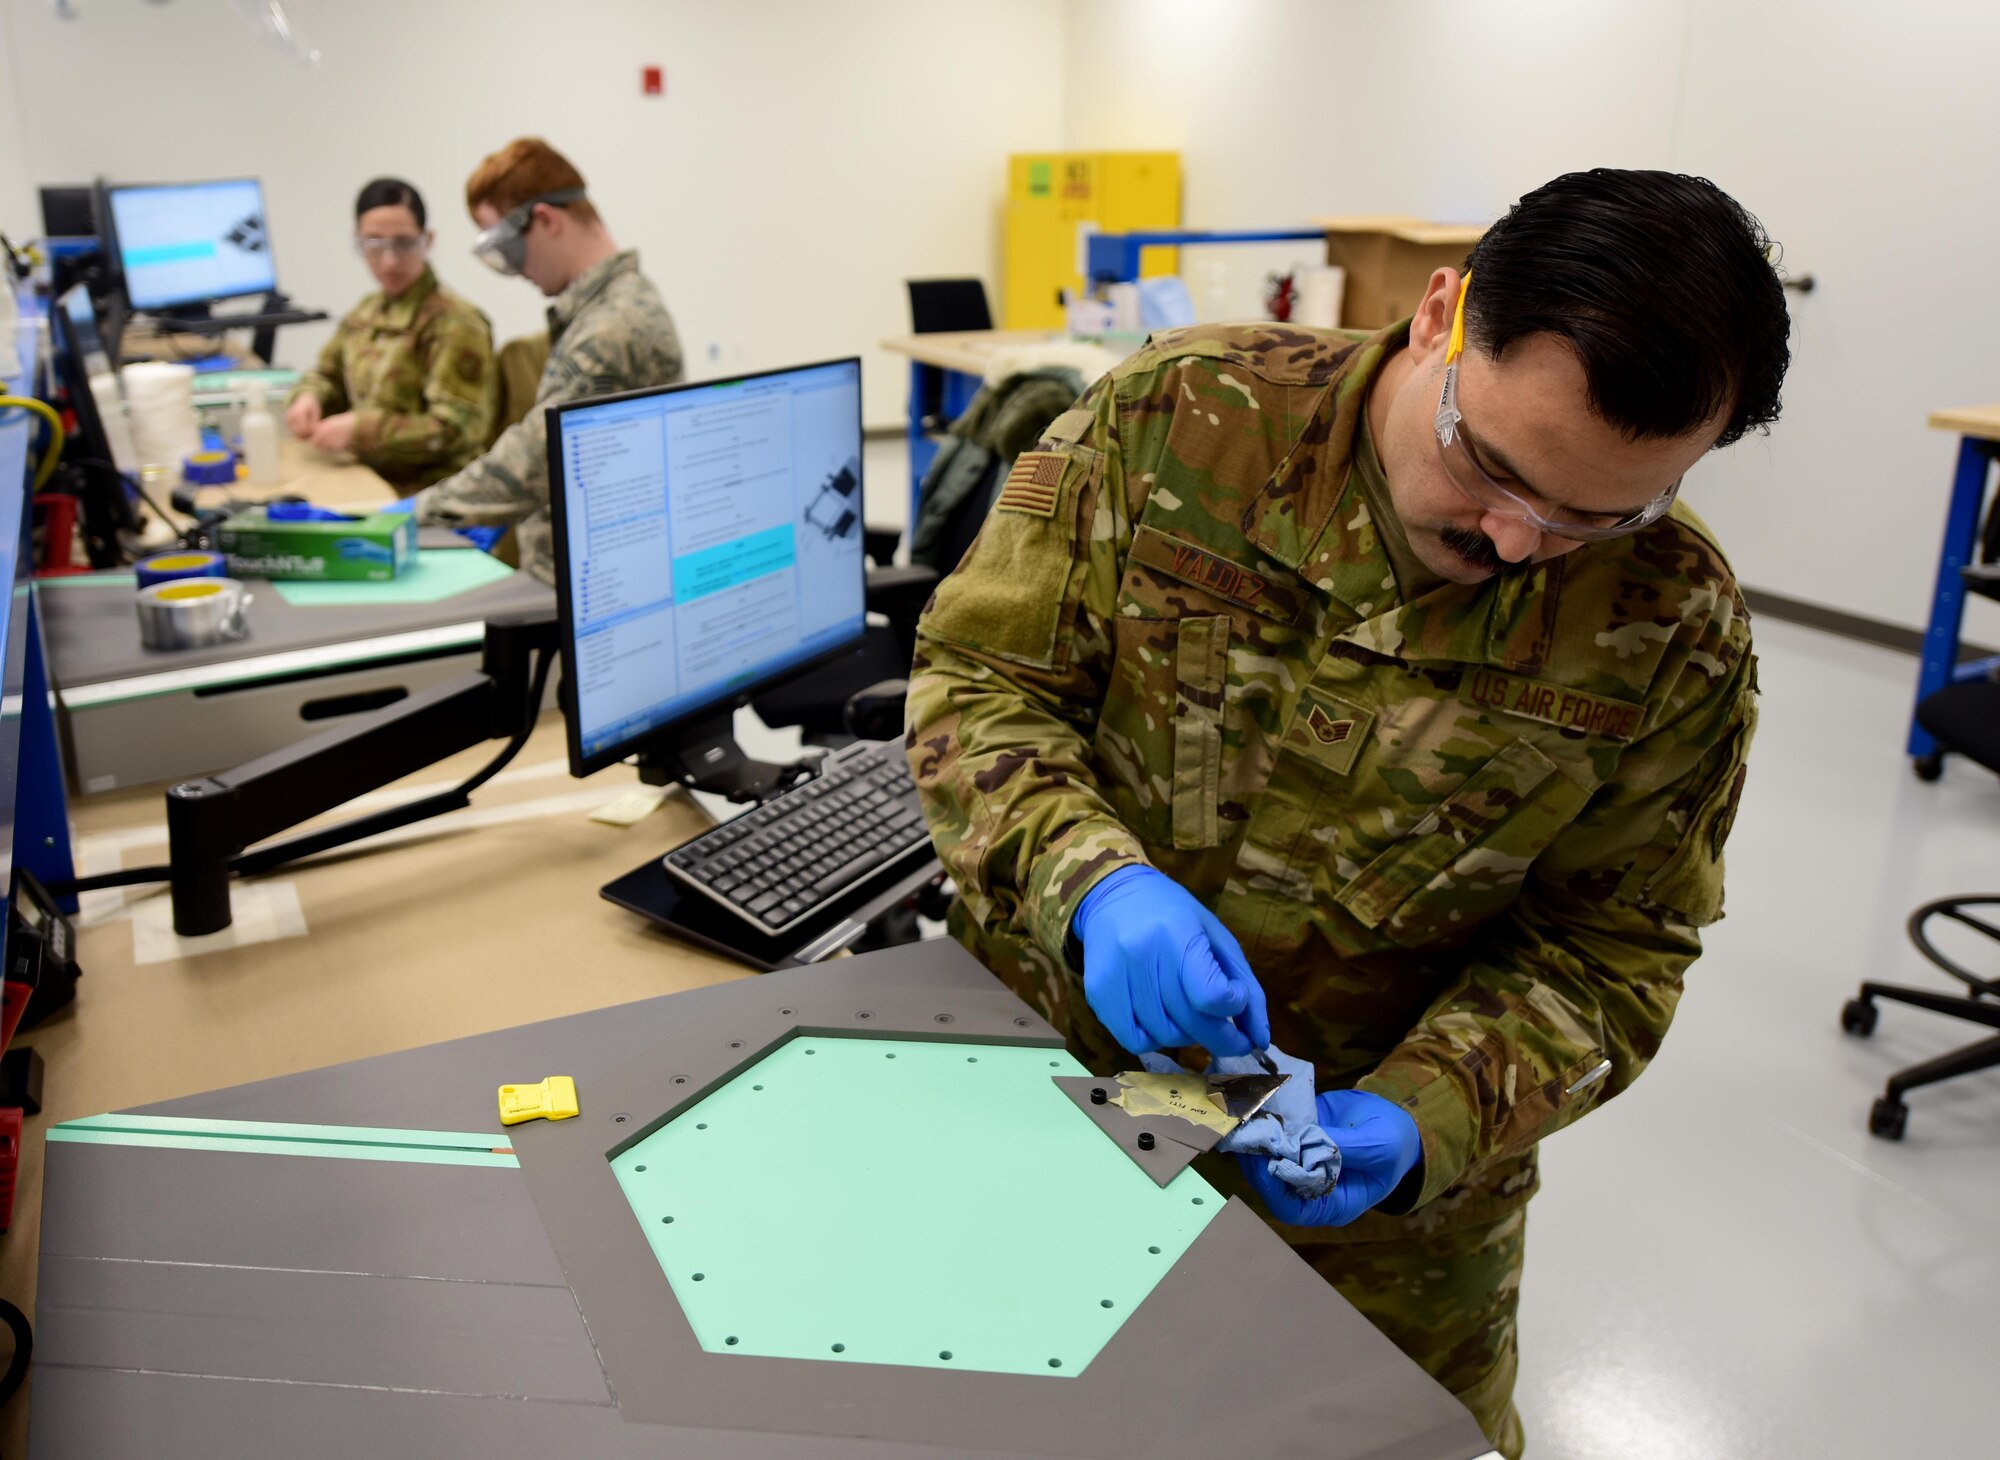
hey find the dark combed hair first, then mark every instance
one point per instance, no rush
(1662, 285)
(391, 192)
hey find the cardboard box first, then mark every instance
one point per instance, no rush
(1389, 259)
(372, 549)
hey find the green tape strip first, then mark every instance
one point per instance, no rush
(89, 580)
(277, 1138)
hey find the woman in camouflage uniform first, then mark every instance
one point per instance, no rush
(407, 383)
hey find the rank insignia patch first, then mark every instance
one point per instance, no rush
(1329, 730)
(1326, 729)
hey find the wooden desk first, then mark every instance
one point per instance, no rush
(966, 351)
(477, 921)
(1978, 428)
(946, 371)
(1979, 422)
(328, 481)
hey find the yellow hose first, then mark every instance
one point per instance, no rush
(54, 453)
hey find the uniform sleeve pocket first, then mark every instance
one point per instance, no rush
(1449, 844)
(1201, 675)
(1009, 596)
(1159, 732)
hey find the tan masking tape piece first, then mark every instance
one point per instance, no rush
(1183, 1096)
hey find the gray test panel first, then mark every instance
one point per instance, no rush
(1237, 1351)
(93, 632)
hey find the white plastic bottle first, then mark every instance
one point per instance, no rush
(260, 440)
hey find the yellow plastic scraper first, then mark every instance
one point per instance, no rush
(552, 1099)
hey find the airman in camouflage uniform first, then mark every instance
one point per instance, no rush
(1466, 836)
(608, 331)
(417, 371)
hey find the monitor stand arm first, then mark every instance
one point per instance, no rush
(211, 821)
(264, 337)
(706, 757)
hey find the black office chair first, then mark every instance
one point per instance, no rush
(1965, 719)
(940, 306)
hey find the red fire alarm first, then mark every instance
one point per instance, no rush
(653, 81)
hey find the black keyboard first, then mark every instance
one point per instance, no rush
(222, 323)
(776, 866)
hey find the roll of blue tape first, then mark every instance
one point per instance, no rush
(165, 567)
(209, 468)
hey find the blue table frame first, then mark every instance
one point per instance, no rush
(1114, 257)
(31, 777)
(1940, 667)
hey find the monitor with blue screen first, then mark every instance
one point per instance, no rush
(708, 545)
(185, 244)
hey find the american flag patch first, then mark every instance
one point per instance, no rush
(1033, 486)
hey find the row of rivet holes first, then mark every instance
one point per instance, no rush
(1021, 1022)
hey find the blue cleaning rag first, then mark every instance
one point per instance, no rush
(1286, 1132)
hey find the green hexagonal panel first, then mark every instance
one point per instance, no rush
(843, 1199)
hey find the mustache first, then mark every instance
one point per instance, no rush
(1475, 547)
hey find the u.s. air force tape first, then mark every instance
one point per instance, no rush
(1552, 704)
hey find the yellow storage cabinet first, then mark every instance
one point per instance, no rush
(1050, 193)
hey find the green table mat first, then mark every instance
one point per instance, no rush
(437, 573)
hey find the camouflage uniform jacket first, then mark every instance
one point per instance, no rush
(1465, 841)
(417, 371)
(608, 332)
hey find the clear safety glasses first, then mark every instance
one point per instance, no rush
(503, 248)
(1470, 478)
(403, 246)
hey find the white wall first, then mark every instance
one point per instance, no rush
(1865, 136)
(809, 156)
(806, 158)
(17, 195)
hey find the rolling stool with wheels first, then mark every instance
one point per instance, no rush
(1890, 1115)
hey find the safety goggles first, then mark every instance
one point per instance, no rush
(1471, 478)
(402, 246)
(503, 248)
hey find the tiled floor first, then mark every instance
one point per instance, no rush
(1724, 1264)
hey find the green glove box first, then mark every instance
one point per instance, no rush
(371, 549)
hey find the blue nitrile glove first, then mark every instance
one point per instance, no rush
(1285, 1134)
(1378, 1144)
(482, 538)
(401, 504)
(1161, 972)
(305, 512)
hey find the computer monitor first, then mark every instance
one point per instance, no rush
(68, 211)
(180, 245)
(708, 545)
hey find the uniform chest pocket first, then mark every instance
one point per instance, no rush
(373, 373)
(1466, 858)
(1161, 727)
